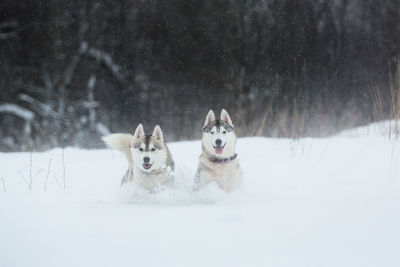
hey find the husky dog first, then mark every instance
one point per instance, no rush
(150, 162)
(218, 162)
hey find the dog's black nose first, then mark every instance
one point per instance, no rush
(218, 142)
(146, 159)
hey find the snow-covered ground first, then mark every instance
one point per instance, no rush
(308, 202)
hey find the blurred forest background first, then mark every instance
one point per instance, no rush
(71, 71)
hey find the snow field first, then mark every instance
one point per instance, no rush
(308, 202)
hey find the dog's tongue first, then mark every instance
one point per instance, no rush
(146, 166)
(219, 149)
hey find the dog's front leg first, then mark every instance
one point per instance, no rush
(128, 177)
(196, 185)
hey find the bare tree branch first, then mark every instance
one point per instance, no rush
(43, 109)
(17, 111)
(8, 29)
(107, 60)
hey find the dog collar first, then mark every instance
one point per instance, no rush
(222, 160)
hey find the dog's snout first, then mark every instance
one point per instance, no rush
(218, 142)
(146, 159)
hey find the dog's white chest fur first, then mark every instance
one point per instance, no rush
(150, 181)
(226, 174)
(150, 162)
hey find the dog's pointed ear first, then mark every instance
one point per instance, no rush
(210, 118)
(158, 133)
(139, 132)
(225, 117)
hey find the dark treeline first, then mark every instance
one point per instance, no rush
(71, 71)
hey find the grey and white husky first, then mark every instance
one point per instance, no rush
(150, 162)
(218, 161)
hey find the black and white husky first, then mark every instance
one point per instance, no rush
(218, 161)
(150, 162)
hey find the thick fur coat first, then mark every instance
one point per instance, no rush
(150, 162)
(218, 161)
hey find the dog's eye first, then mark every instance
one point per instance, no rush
(212, 132)
(140, 149)
(224, 132)
(153, 149)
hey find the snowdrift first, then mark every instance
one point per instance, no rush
(307, 202)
